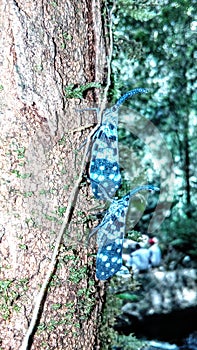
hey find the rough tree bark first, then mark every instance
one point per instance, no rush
(46, 47)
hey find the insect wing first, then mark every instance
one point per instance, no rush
(110, 235)
(110, 241)
(104, 164)
(109, 260)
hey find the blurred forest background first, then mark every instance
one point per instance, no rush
(155, 48)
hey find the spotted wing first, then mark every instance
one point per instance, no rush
(110, 238)
(110, 235)
(104, 163)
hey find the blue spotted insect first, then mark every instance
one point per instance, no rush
(104, 164)
(110, 235)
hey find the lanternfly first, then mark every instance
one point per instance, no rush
(110, 235)
(104, 163)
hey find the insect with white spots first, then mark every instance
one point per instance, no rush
(104, 164)
(110, 234)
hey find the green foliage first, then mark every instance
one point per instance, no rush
(67, 36)
(77, 274)
(116, 295)
(168, 45)
(21, 176)
(28, 194)
(56, 306)
(53, 3)
(155, 48)
(139, 10)
(134, 235)
(71, 91)
(21, 152)
(127, 296)
(181, 234)
(51, 218)
(55, 281)
(128, 342)
(61, 211)
(10, 294)
(23, 246)
(71, 313)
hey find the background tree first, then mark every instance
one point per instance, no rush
(155, 48)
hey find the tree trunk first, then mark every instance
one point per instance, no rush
(47, 46)
(187, 163)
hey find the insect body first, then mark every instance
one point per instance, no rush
(104, 163)
(110, 235)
